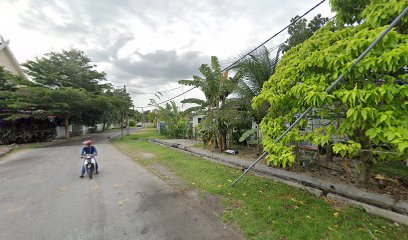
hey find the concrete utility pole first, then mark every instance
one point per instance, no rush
(143, 118)
(127, 115)
(123, 117)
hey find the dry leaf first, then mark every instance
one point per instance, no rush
(379, 177)
(298, 201)
(332, 229)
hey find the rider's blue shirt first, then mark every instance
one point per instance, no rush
(89, 150)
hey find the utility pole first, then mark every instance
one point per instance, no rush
(142, 118)
(127, 115)
(121, 126)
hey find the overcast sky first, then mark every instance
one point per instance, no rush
(147, 44)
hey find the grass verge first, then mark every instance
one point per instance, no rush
(264, 209)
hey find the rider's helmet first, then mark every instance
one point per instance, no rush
(88, 142)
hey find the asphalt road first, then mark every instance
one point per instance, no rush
(42, 197)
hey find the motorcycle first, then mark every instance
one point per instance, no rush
(89, 164)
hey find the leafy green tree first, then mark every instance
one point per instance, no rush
(68, 68)
(300, 31)
(369, 105)
(348, 12)
(64, 102)
(176, 122)
(119, 103)
(15, 100)
(216, 86)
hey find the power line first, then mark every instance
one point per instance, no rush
(250, 52)
(158, 92)
(273, 36)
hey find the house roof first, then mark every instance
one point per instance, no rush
(8, 60)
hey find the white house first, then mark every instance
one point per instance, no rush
(195, 120)
(7, 59)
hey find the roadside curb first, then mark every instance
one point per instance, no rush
(374, 203)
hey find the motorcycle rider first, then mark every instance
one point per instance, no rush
(89, 149)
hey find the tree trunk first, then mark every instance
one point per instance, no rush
(329, 152)
(66, 126)
(220, 142)
(223, 141)
(366, 163)
(103, 126)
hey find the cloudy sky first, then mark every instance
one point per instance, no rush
(148, 44)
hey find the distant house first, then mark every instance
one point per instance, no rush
(7, 59)
(194, 121)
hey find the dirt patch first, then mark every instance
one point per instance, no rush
(148, 155)
(166, 175)
(213, 202)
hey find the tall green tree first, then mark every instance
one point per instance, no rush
(370, 103)
(64, 103)
(216, 86)
(68, 68)
(301, 30)
(15, 100)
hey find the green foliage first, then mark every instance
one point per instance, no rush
(216, 86)
(25, 130)
(255, 70)
(246, 135)
(66, 87)
(350, 149)
(176, 124)
(300, 31)
(69, 68)
(368, 108)
(348, 11)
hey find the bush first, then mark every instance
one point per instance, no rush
(132, 123)
(26, 130)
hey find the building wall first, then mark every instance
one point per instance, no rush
(195, 120)
(7, 63)
(61, 131)
(194, 123)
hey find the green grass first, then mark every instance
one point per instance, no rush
(264, 209)
(143, 134)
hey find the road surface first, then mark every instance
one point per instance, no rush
(42, 197)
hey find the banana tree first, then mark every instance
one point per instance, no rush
(216, 86)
